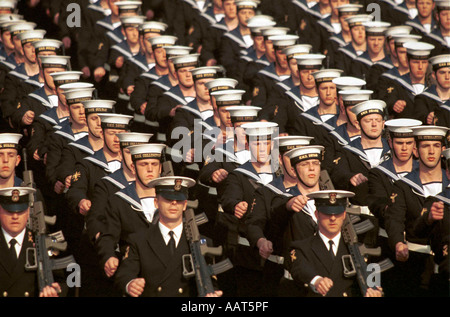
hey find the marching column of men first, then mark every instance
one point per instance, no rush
(273, 118)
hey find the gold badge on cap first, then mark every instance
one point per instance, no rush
(177, 186)
(332, 197)
(15, 195)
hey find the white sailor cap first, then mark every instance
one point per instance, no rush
(16, 199)
(182, 61)
(6, 19)
(8, 4)
(47, 45)
(349, 82)
(376, 28)
(162, 41)
(204, 72)
(75, 86)
(365, 108)
(258, 22)
(127, 139)
(351, 97)
(10, 140)
(5, 24)
(31, 36)
(310, 61)
(172, 187)
(260, 129)
(303, 153)
(401, 128)
(440, 61)
(442, 5)
(247, 4)
(220, 84)
(349, 9)
(74, 96)
(128, 6)
(282, 41)
(418, 50)
(358, 19)
(297, 49)
(228, 97)
(56, 61)
(177, 50)
(21, 26)
(66, 77)
(146, 150)
(326, 75)
(98, 106)
(273, 30)
(134, 21)
(153, 27)
(397, 30)
(290, 142)
(331, 202)
(115, 121)
(430, 133)
(400, 39)
(243, 113)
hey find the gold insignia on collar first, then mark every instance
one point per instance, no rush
(30, 237)
(100, 46)
(18, 105)
(15, 195)
(336, 160)
(445, 250)
(255, 91)
(76, 176)
(276, 110)
(390, 89)
(293, 257)
(393, 195)
(207, 160)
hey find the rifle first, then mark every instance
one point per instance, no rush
(194, 264)
(167, 168)
(45, 245)
(355, 262)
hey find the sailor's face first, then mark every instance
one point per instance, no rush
(309, 172)
(430, 153)
(9, 160)
(13, 222)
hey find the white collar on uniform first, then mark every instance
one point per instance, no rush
(335, 241)
(19, 238)
(165, 232)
